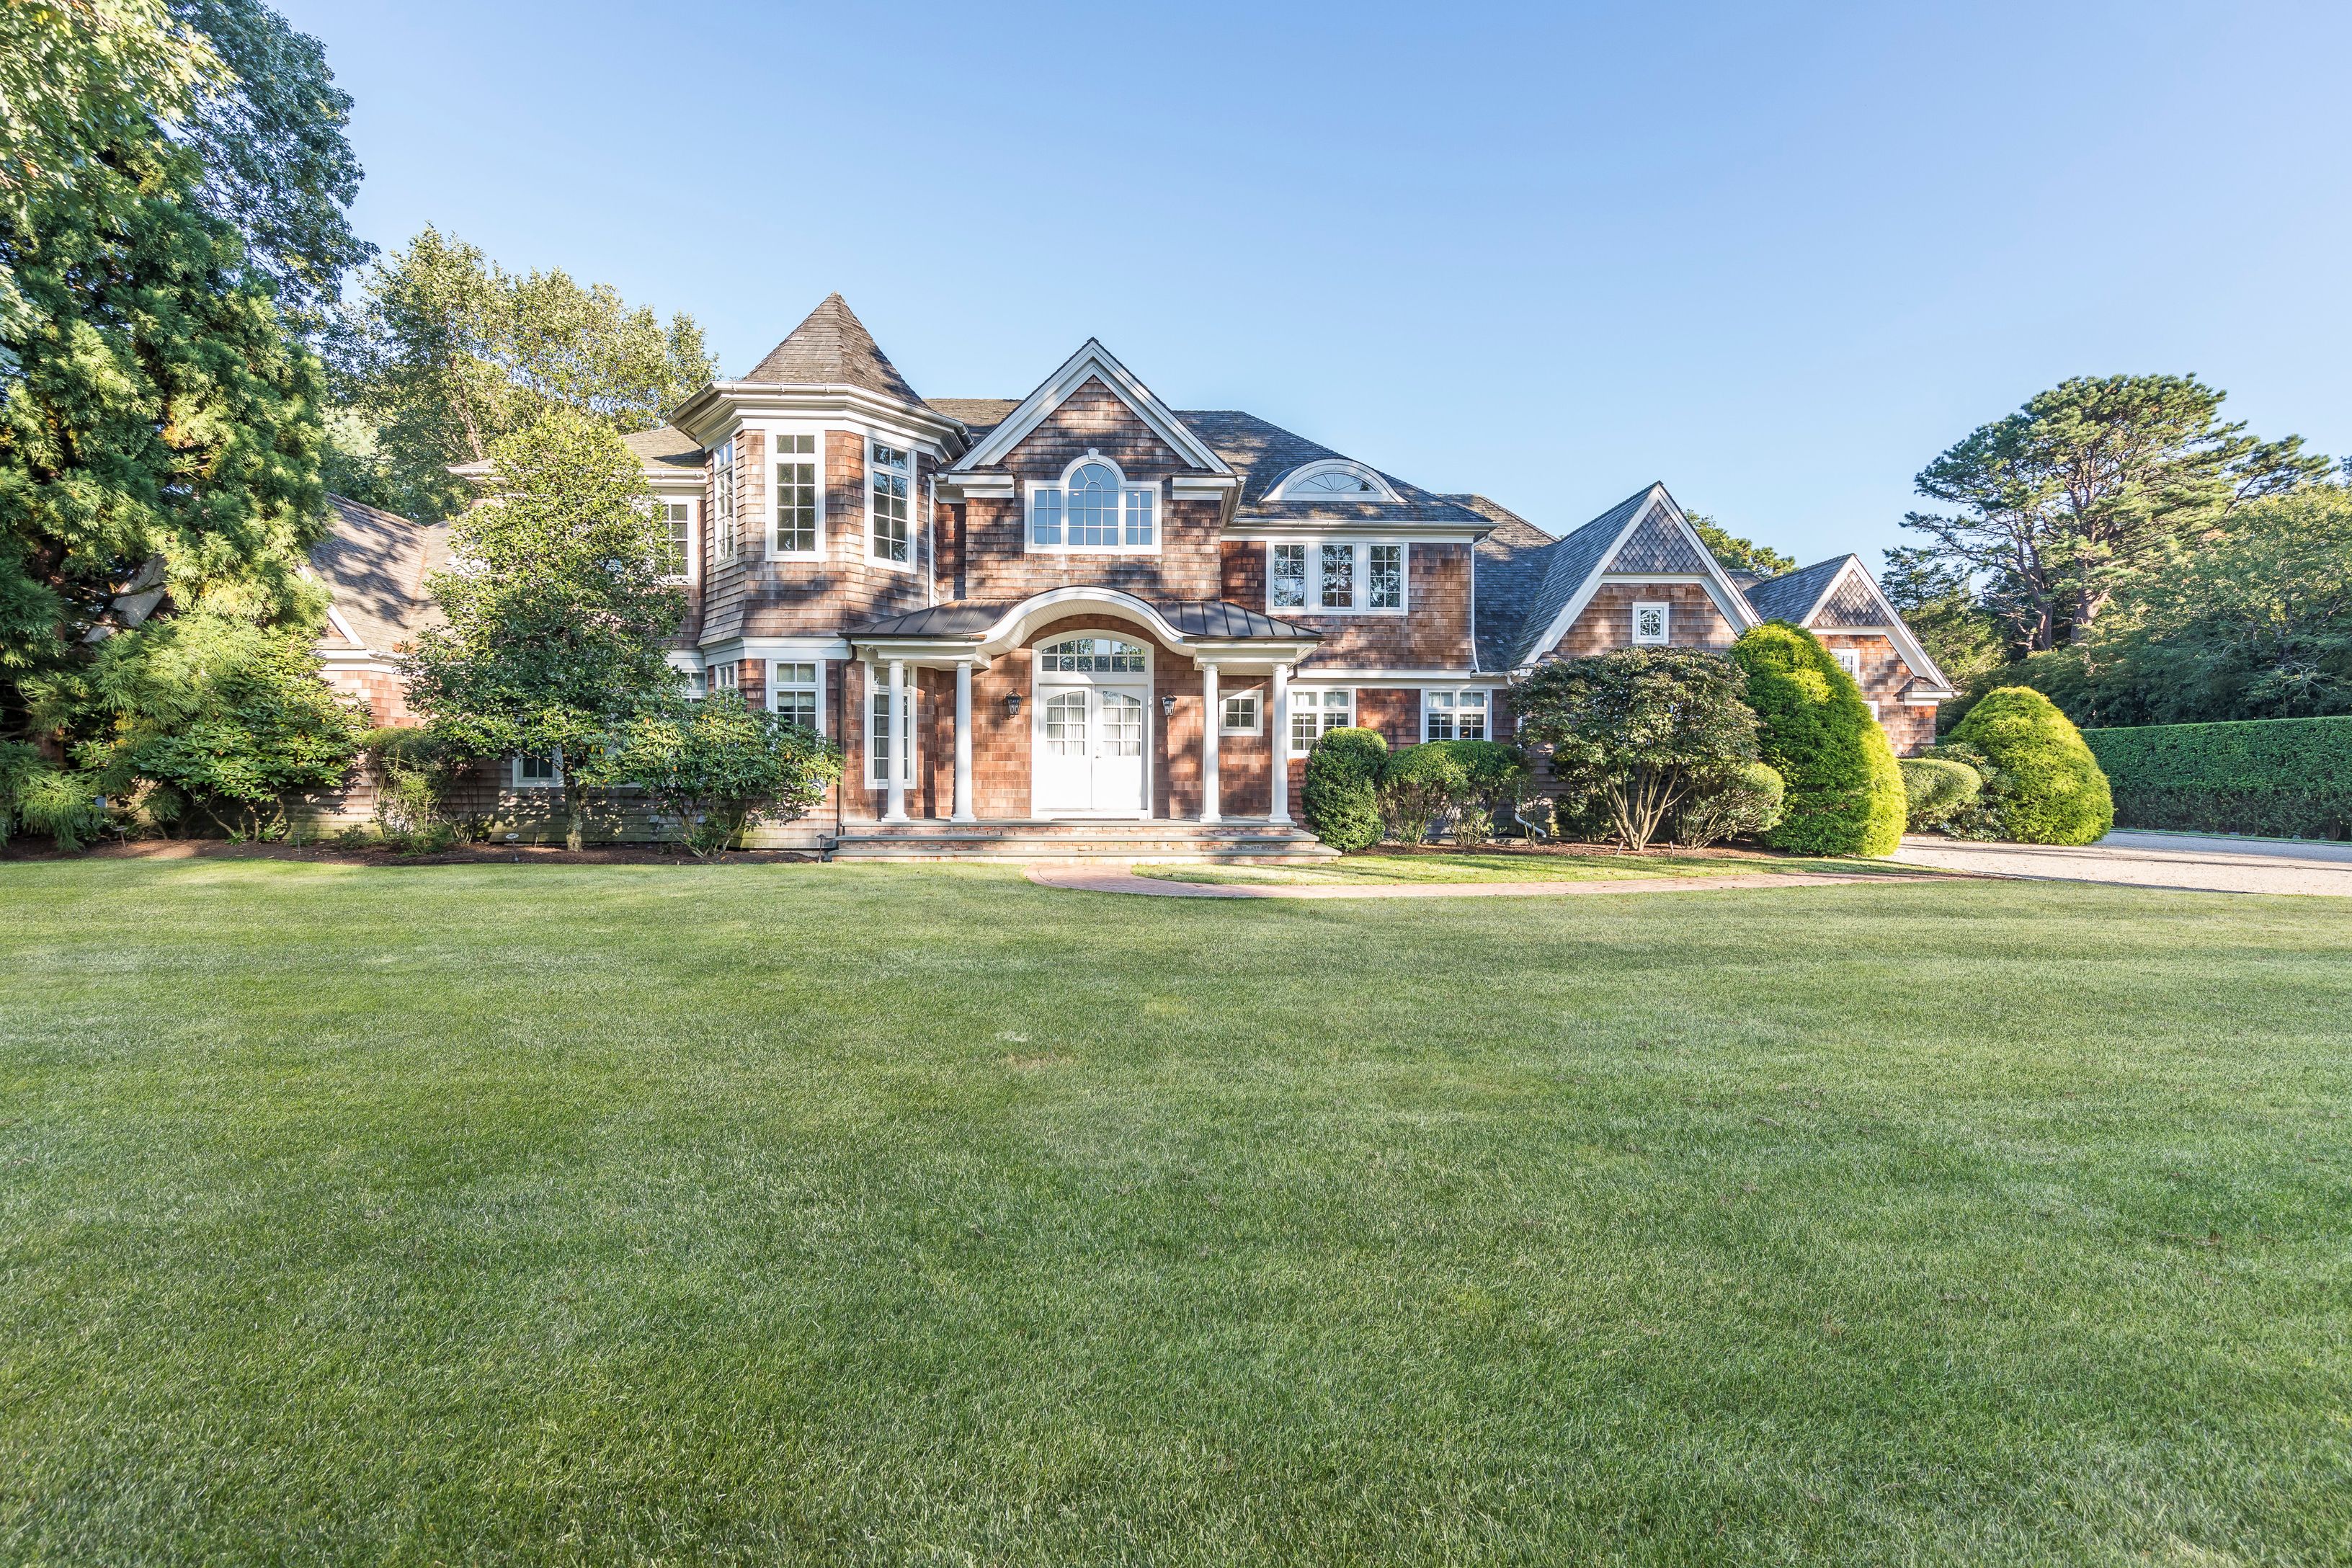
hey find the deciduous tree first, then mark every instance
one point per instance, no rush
(1644, 728)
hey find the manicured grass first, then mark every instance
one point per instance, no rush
(1513, 866)
(880, 1215)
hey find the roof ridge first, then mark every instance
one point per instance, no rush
(831, 347)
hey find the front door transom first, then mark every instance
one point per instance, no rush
(1088, 743)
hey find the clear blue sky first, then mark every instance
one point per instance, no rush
(1776, 255)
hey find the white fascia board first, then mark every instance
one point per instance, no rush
(1328, 673)
(1293, 531)
(977, 487)
(1207, 486)
(357, 658)
(1894, 630)
(710, 413)
(1091, 361)
(1591, 583)
(1720, 587)
(686, 482)
(928, 652)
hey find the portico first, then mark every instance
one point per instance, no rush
(1081, 704)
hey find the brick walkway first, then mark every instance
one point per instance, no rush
(1118, 879)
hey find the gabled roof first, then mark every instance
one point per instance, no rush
(977, 415)
(1511, 563)
(832, 348)
(1567, 565)
(1091, 363)
(374, 564)
(665, 447)
(1841, 593)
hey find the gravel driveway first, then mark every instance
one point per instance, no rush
(2181, 860)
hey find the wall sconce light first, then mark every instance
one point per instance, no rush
(1012, 705)
(1168, 708)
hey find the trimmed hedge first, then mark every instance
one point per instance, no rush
(1845, 793)
(2290, 778)
(1936, 788)
(1340, 799)
(2047, 787)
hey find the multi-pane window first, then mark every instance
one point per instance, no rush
(1285, 577)
(1453, 716)
(877, 736)
(538, 770)
(723, 488)
(1336, 577)
(1094, 507)
(1313, 712)
(677, 529)
(1241, 713)
(1096, 656)
(888, 472)
(722, 678)
(1122, 726)
(1849, 660)
(793, 692)
(1649, 623)
(794, 517)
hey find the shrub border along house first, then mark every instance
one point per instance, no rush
(2287, 777)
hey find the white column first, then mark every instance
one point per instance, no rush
(894, 760)
(1280, 750)
(1212, 722)
(963, 743)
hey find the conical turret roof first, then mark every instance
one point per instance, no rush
(832, 348)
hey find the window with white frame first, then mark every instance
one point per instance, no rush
(722, 490)
(795, 692)
(792, 514)
(539, 770)
(1094, 507)
(1649, 623)
(1456, 715)
(675, 549)
(1314, 711)
(889, 481)
(1335, 576)
(878, 734)
(721, 677)
(1331, 479)
(1850, 660)
(1242, 711)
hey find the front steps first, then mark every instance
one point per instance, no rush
(1107, 840)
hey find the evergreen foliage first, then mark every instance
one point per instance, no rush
(1845, 794)
(2047, 787)
(1421, 788)
(2287, 777)
(1341, 798)
(717, 765)
(1935, 789)
(556, 613)
(1738, 555)
(1747, 804)
(1639, 731)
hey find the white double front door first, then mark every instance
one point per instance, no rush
(1089, 744)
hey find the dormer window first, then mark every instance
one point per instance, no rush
(1333, 479)
(1094, 507)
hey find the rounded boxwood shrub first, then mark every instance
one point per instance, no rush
(1341, 798)
(1747, 803)
(2048, 788)
(1844, 792)
(1937, 789)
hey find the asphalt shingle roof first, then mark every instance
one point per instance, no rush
(1791, 595)
(1194, 617)
(832, 348)
(1566, 565)
(665, 446)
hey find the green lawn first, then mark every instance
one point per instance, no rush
(1516, 865)
(884, 1215)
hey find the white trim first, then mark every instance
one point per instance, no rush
(1128, 492)
(1091, 361)
(1012, 629)
(1726, 594)
(867, 469)
(1457, 693)
(1145, 683)
(1665, 623)
(723, 405)
(1287, 487)
(878, 685)
(1257, 697)
(554, 781)
(1895, 630)
(1307, 689)
(726, 547)
(693, 504)
(774, 686)
(775, 511)
(1314, 545)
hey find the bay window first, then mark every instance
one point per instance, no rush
(722, 497)
(793, 527)
(889, 474)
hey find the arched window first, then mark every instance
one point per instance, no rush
(1092, 656)
(1094, 506)
(1333, 479)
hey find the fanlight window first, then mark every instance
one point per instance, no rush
(1094, 507)
(1334, 479)
(1093, 656)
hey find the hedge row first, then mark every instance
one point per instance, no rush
(2291, 778)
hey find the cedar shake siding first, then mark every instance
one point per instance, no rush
(1488, 591)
